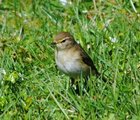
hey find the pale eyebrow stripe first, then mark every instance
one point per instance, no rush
(63, 39)
(66, 38)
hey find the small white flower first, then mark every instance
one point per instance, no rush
(64, 2)
(2, 73)
(113, 39)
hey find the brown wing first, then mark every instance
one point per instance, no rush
(87, 60)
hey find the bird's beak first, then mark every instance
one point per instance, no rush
(53, 44)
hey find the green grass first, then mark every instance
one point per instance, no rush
(32, 88)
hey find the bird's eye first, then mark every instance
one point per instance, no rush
(63, 41)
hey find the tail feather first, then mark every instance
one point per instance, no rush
(95, 72)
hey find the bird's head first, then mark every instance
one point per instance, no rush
(63, 40)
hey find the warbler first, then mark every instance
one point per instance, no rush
(72, 59)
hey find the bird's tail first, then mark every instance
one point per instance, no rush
(99, 75)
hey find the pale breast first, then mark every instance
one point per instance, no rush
(68, 62)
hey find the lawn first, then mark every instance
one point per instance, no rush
(32, 88)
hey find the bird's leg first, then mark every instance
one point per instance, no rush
(72, 81)
(74, 85)
(86, 87)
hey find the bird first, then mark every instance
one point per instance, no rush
(72, 59)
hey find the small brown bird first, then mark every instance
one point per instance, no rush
(72, 59)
